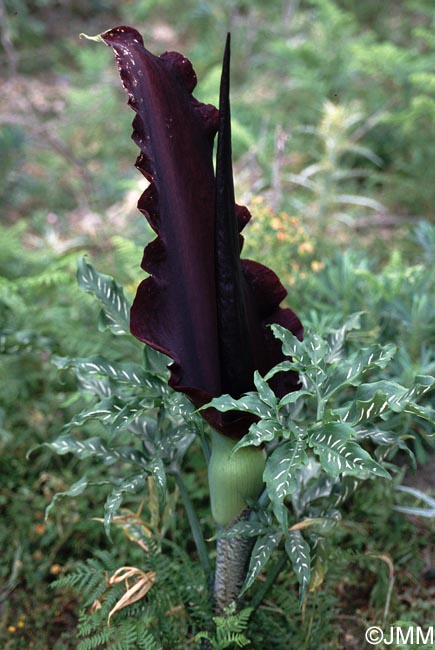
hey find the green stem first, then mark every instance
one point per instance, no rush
(234, 478)
(310, 622)
(205, 447)
(194, 525)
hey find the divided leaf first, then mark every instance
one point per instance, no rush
(338, 455)
(316, 348)
(125, 373)
(264, 390)
(377, 398)
(246, 529)
(113, 503)
(74, 491)
(95, 447)
(388, 440)
(104, 411)
(249, 403)
(259, 433)
(348, 373)
(299, 553)
(319, 565)
(281, 473)
(158, 473)
(263, 549)
(291, 346)
(338, 337)
(131, 411)
(115, 314)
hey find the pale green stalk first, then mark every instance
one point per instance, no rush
(234, 478)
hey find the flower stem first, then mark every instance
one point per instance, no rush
(234, 478)
(232, 561)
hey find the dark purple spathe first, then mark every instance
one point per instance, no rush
(201, 305)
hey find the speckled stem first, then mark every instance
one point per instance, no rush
(232, 563)
(234, 478)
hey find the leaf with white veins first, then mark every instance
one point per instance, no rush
(299, 554)
(281, 473)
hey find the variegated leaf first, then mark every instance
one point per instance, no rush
(293, 397)
(131, 411)
(174, 443)
(338, 455)
(74, 491)
(263, 549)
(115, 314)
(377, 398)
(246, 529)
(95, 447)
(348, 373)
(387, 439)
(264, 390)
(158, 473)
(155, 362)
(299, 553)
(104, 411)
(338, 337)
(130, 485)
(101, 387)
(249, 403)
(259, 433)
(343, 490)
(281, 474)
(316, 348)
(424, 412)
(325, 525)
(320, 489)
(319, 565)
(284, 366)
(291, 346)
(125, 373)
(13, 341)
(178, 404)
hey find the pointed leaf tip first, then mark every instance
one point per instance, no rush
(194, 266)
(97, 38)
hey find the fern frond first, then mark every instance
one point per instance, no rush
(89, 578)
(9, 295)
(125, 251)
(229, 630)
(98, 640)
(129, 634)
(50, 278)
(235, 639)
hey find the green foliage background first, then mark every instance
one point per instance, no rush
(334, 143)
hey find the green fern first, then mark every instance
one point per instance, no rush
(126, 253)
(130, 634)
(99, 640)
(173, 611)
(88, 578)
(230, 630)
(10, 295)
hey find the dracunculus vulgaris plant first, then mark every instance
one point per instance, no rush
(201, 304)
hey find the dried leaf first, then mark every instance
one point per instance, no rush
(141, 586)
